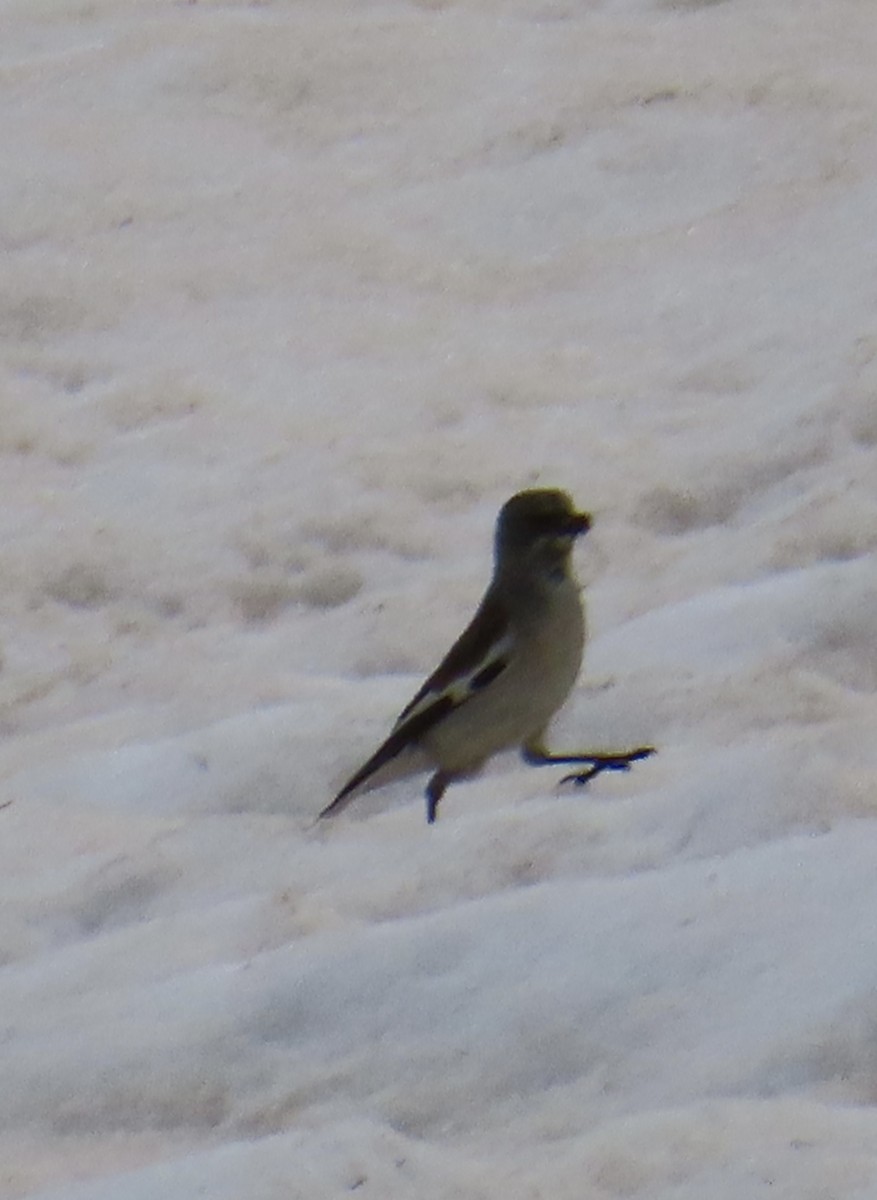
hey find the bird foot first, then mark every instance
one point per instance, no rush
(608, 762)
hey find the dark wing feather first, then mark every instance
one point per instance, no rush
(465, 669)
(469, 653)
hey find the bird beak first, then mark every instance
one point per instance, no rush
(579, 523)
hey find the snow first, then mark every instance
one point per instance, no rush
(294, 296)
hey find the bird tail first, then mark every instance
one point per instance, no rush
(384, 755)
(406, 734)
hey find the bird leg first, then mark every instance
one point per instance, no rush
(538, 756)
(435, 789)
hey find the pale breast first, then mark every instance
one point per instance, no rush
(519, 703)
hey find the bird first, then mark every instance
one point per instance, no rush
(510, 670)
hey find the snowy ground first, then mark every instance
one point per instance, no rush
(293, 295)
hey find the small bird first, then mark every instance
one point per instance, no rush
(511, 669)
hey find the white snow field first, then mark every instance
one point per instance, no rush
(294, 294)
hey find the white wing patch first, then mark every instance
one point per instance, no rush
(464, 686)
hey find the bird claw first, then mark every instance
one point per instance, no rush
(621, 762)
(580, 778)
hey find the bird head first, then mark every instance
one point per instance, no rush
(538, 528)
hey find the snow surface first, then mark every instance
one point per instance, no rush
(294, 294)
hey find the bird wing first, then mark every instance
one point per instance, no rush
(478, 657)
